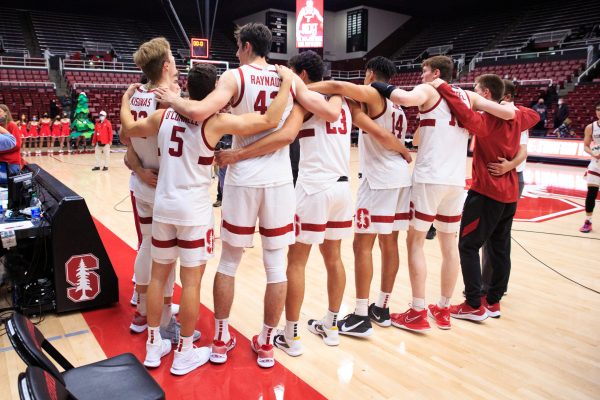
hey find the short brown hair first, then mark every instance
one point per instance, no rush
(151, 56)
(258, 35)
(493, 83)
(201, 80)
(443, 63)
(509, 88)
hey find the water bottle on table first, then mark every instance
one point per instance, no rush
(36, 209)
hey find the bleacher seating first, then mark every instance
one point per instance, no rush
(32, 96)
(11, 30)
(560, 71)
(581, 103)
(22, 75)
(404, 78)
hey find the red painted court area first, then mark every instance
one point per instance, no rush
(240, 378)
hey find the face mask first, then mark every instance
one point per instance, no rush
(34, 118)
(102, 118)
(2, 120)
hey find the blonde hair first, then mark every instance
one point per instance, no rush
(151, 56)
(8, 114)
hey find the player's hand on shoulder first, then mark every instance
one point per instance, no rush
(165, 96)
(131, 90)
(284, 72)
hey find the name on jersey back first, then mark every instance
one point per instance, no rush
(265, 80)
(141, 102)
(174, 116)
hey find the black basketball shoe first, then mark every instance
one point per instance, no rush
(355, 325)
(380, 315)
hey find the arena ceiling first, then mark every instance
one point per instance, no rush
(232, 9)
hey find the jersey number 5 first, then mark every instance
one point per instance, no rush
(178, 150)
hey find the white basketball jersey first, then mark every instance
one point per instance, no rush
(442, 156)
(382, 168)
(595, 146)
(143, 104)
(185, 172)
(324, 151)
(257, 87)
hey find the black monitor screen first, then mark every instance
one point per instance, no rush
(3, 174)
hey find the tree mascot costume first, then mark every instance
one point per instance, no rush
(82, 127)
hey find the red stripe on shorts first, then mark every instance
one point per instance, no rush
(190, 244)
(270, 232)
(424, 217)
(470, 228)
(145, 220)
(448, 218)
(313, 227)
(382, 219)
(593, 173)
(402, 216)
(339, 224)
(164, 244)
(238, 230)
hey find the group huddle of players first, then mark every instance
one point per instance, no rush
(271, 106)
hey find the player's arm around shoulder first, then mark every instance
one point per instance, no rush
(315, 103)
(144, 127)
(502, 111)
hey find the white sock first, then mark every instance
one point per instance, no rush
(266, 335)
(330, 319)
(382, 301)
(588, 218)
(291, 329)
(165, 316)
(418, 304)
(185, 343)
(444, 302)
(141, 304)
(222, 330)
(154, 334)
(362, 307)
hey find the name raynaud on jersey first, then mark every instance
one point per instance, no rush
(265, 80)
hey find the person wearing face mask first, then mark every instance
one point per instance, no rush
(65, 132)
(55, 133)
(562, 113)
(103, 135)
(10, 141)
(45, 132)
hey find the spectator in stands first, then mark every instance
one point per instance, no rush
(540, 108)
(564, 130)
(53, 109)
(561, 113)
(103, 135)
(10, 141)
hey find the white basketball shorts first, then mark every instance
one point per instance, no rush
(440, 204)
(194, 245)
(381, 211)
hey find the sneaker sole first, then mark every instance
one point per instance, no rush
(185, 371)
(266, 363)
(288, 351)
(385, 324)
(493, 314)
(328, 343)
(367, 333)
(410, 329)
(152, 364)
(444, 327)
(138, 328)
(470, 317)
(221, 358)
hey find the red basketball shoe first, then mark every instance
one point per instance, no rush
(412, 320)
(465, 311)
(440, 315)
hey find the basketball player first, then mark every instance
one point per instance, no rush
(591, 143)
(498, 169)
(492, 200)
(263, 185)
(438, 187)
(382, 206)
(183, 219)
(323, 199)
(156, 61)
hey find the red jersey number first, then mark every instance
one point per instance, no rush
(342, 129)
(260, 104)
(178, 150)
(397, 125)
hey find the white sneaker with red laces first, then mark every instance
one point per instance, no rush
(219, 350)
(266, 358)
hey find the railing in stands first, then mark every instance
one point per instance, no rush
(28, 84)
(100, 85)
(347, 75)
(588, 70)
(522, 56)
(26, 62)
(106, 66)
(556, 37)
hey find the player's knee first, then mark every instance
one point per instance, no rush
(231, 257)
(275, 267)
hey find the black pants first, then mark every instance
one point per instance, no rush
(485, 220)
(486, 267)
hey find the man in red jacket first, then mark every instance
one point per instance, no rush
(492, 200)
(103, 135)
